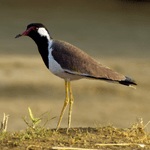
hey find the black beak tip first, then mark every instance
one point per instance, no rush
(17, 36)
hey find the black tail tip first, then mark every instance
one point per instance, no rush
(128, 82)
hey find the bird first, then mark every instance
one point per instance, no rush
(70, 63)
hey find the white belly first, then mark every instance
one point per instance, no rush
(56, 69)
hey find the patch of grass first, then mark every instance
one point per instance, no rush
(35, 122)
(107, 137)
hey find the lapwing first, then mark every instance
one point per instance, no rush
(70, 63)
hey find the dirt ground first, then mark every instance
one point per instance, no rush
(102, 138)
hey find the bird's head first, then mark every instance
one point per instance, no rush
(35, 30)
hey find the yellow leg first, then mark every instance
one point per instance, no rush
(67, 83)
(71, 100)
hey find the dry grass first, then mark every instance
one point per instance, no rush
(36, 136)
(103, 138)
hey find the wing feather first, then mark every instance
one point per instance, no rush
(75, 61)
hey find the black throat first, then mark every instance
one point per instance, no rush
(42, 44)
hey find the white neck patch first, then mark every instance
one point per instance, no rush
(43, 32)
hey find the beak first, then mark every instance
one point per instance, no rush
(19, 35)
(25, 33)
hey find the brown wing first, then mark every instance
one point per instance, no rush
(75, 61)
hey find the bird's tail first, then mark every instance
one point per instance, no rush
(128, 82)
